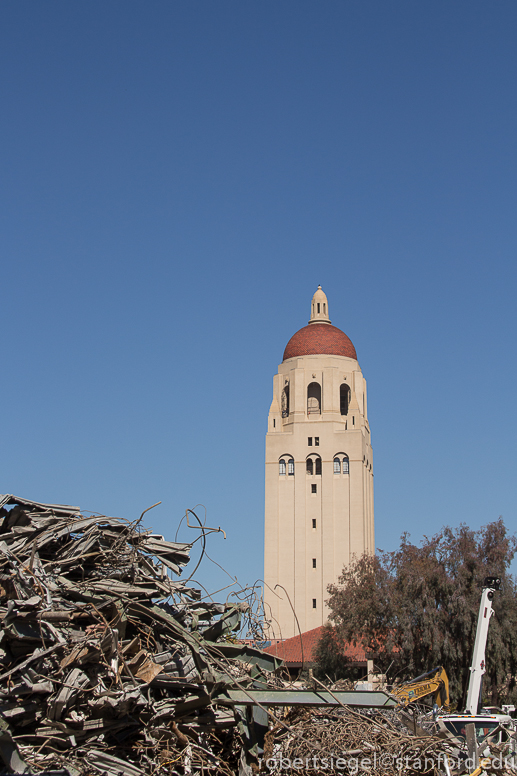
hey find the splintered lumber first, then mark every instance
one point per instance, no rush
(110, 664)
(108, 661)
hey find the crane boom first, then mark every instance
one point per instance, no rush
(478, 666)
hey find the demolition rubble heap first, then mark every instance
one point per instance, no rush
(105, 664)
(109, 666)
(346, 741)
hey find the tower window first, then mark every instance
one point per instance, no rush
(324, 308)
(317, 441)
(285, 402)
(318, 307)
(337, 466)
(314, 523)
(274, 423)
(345, 465)
(314, 563)
(290, 466)
(314, 399)
(344, 398)
(309, 441)
(313, 603)
(314, 488)
(313, 464)
(281, 466)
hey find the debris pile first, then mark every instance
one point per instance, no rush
(107, 665)
(110, 666)
(347, 741)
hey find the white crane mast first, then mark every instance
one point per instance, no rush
(478, 667)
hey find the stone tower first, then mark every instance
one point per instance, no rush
(319, 474)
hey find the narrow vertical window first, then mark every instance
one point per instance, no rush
(274, 423)
(314, 488)
(337, 466)
(309, 441)
(318, 466)
(281, 466)
(345, 465)
(285, 402)
(309, 466)
(290, 466)
(324, 308)
(344, 398)
(314, 523)
(318, 308)
(314, 563)
(313, 603)
(317, 441)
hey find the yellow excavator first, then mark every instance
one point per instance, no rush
(434, 682)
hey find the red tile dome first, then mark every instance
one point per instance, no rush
(319, 339)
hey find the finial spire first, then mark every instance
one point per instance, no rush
(319, 307)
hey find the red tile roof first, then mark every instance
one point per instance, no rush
(290, 650)
(317, 339)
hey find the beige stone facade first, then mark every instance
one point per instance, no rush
(319, 473)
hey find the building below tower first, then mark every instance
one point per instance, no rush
(319, 474)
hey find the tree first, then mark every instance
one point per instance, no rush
(418, 606)
(331, 662)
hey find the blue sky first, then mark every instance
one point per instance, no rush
(177, 178)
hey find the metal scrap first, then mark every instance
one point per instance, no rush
(109, 664)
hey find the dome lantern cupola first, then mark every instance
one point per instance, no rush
(319, 337)
(319, 307)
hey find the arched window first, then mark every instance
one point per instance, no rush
(285, 402)
(337, 466)
(290, 466)
(313, 464)
(314, 399)
(281, 466)
(345, 465)
(344, 398)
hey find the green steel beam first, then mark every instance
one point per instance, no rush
(374, 700)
